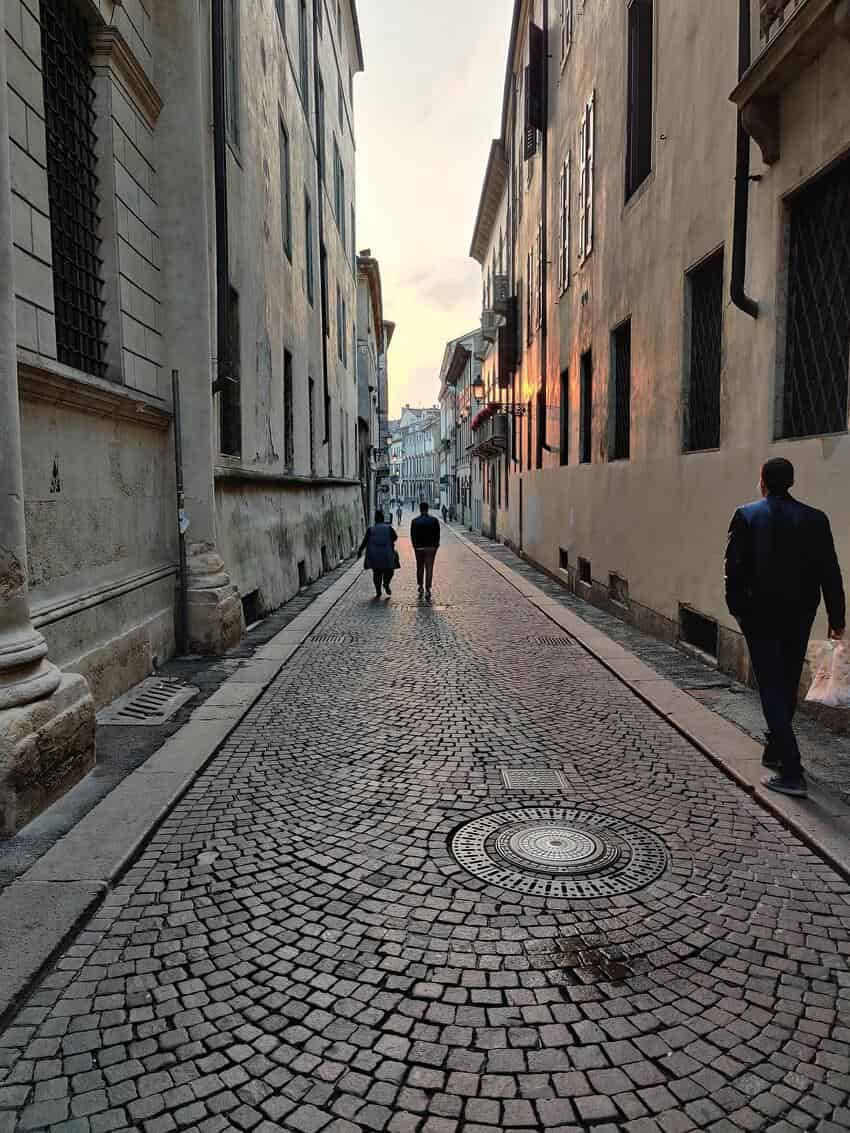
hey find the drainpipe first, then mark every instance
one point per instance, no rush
(544, 274)
(742, 181)
(222, 252)
(321, 175)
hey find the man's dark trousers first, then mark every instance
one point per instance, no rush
(777, 658)
(425, 566)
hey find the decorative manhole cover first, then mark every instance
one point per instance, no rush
(552, 852)
(533, 779)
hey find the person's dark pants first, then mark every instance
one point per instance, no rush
(425, 566)
(777, 658)
(382, 578)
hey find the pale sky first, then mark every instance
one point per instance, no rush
(427, 108)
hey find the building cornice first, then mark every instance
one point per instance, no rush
(492, 192)
(55, 384)
(111, 52)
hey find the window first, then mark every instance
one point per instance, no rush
(311, 421)
(704, 313)
(280, 8)
(308, 247)
(564, 191)
(563, 560)
(529, 296)
(285, 193)
(72, 187)
(231, 63)
(621, 364)
(566, 29)
(585, 574)
(320, 129)
(353, 243)
(586, 409)
(541, 428)
(344, 333)
(528, 423)
(288, 412)
(329, 433)
(323, 283)
(340, 324)
(639, 105)
(342, 435)
(303, 53)
(341, 101)
(230, 408)
(817, 353)
(585, 194)
(339, 191)
(540, 282)
(564, 442)
(318, 5)
(697, 630)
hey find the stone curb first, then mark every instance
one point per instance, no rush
(41, 910)
(822, 822)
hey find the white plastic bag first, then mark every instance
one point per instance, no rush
(831, 683)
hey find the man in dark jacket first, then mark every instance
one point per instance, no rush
(425, 537)
(780, 559)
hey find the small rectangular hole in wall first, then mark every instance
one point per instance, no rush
(251, 607)
(302, 574)
(563, 559)
(325, 565)
(584, 571)
(350, 539)
(697, 630)
(618, 589)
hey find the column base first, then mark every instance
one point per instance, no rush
(45, 748)
(216, 622)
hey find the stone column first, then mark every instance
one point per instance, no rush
(184, 178)
(46, 717)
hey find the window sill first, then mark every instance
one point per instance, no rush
(639, 192)
(700, 451)
(44, 379)
(234, 473)
(810, 437)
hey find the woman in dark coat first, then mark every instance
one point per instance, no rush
(379, 545)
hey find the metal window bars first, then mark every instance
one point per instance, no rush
(702, 427)
(72, 187)
(817, 359)
(622, 343)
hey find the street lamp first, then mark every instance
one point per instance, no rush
(478, 388)
(500, 406)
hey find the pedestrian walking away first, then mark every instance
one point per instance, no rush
(445, 514)
(381, 556)
(425, 537)
(398, 515)
(780, 560)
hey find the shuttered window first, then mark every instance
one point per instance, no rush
(564, 191)
(586, 161)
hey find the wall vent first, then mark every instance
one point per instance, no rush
(584, 574)
(618, 589)
(698, 631)
(150, 703)
(563, 559)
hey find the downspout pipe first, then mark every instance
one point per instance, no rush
(222, 251)
(321, 177)
(737, 287)
(544, 250)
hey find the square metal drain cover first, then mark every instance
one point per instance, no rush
(560, 640)
(331, 639)
(533, 779)
(148, 704)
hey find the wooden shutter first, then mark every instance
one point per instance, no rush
(561, 199)
(568, 178)
(591, 148)
(582, 163)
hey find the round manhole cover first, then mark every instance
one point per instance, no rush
(552, 852)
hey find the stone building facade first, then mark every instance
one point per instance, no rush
(420, 458)
(374, 335)
(459, 466)
(176, 194)
(677, 259)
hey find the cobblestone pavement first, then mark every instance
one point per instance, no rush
(298, 949)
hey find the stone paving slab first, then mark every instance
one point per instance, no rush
(299, 947)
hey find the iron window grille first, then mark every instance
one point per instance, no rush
(311, 421)
(621, 343)
(230, 402)
(586, 437)
(308, 248)
(288, 412)
(72, 187)
(285, 193)
(564, 441)
(817, 357)
(705, 330)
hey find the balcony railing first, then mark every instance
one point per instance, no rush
(491, 436)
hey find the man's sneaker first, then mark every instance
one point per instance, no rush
(770, 761)
(796, 788)
(428, 595)
(419, 589)
(389, 592)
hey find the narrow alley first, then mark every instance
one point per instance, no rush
(449, 874)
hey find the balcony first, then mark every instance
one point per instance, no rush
(491, 435)
(793, 34)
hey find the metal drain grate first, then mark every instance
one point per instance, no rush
(533, 779)
(150, 703)
(331, 639)
(551, 640)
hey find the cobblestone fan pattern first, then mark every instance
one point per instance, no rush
(297, 948)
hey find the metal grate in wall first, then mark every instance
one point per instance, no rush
(72, 186)
(702, 428)
(817, 361)
(622, 344)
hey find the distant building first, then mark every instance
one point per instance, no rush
(419, 475)
(374, 335)
(459, 469)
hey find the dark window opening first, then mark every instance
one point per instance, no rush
(586, 408)
(302, 574)
(817, 359)
(285, 193)
(308, 247)
(320, 126)
(329, 434)
(528, 416)
(230, 401)
(251, 609)
(584, 574)
(280, 8)
(639, 110)
(705, 326)
(563, 559)
(72, 187)
(326, 562)
(564, 440)
(618, 589)
(231, 62)
(288, 412)
(621, 349)
(697, 630)
(303, 52)
(541, 428)
(323, 283)
(311, 421)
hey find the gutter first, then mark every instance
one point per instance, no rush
(737, 287)
(321, 174)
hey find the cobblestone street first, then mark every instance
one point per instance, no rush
(298, 948)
